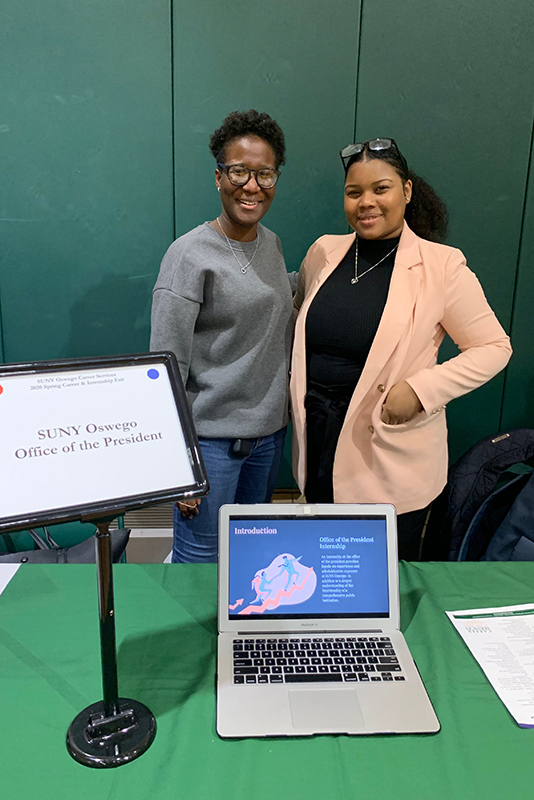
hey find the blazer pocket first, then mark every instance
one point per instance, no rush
(422, 438)
(412, 455)
(418, 422)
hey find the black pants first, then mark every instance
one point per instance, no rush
(410, 527)
(324, 419)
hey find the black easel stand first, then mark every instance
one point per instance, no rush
(114, 730)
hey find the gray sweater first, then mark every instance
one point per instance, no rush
(231, 332)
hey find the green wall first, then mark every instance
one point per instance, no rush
(86, 173)
(518, 405)
(105, 112)
(454, 81)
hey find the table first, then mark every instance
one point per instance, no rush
(166, 631)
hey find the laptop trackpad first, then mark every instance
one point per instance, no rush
(325, 710)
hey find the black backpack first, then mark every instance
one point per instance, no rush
(476, 517)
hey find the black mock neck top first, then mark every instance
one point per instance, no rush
(343, 318)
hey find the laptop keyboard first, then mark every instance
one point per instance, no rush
(316, 660)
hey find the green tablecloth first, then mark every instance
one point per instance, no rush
(166, 633)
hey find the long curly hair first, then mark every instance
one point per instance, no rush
(426, 213)
(248, 123)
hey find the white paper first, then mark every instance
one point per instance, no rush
(76, 437)
(6, 573)
(502, 641)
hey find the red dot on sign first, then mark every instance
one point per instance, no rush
(1, 389)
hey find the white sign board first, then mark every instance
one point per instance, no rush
(87, 434)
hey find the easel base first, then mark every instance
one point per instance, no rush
(95, 740)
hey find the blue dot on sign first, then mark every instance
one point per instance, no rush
(153, 374)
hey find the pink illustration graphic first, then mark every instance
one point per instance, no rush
(284, 582)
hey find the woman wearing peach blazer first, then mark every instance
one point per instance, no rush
(368, 396)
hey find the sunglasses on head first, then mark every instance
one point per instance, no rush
(376, 145)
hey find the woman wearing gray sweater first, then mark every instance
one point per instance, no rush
(222, 303)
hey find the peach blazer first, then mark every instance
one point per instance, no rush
(432, 292)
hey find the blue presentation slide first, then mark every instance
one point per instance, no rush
(308, 567)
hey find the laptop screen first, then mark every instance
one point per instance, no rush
(285, 567)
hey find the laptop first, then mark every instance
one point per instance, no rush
(309, 639)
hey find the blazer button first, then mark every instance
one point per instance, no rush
(371, 429)
(381, 387)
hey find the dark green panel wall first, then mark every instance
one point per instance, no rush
(1, 334)
(518, 407)
(106, 108)
(297, 61)
(86, 163)
(453, 83)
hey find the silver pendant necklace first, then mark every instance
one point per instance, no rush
(356, 276)
(244, 267)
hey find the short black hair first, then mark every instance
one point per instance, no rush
(248, 123)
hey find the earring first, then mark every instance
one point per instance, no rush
(218, 188)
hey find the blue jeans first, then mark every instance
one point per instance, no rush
(233, 479)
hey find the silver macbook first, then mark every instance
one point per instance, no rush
(309, 638)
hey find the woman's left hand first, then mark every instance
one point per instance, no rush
(401, 404)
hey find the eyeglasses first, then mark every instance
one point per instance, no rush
(352, 150)
(239, 175)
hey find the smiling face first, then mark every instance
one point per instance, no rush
(244, 206)
(375, 199)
